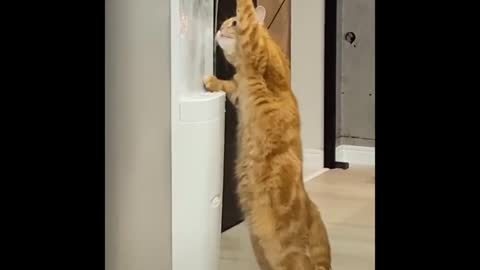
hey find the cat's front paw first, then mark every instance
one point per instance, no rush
(209, 82)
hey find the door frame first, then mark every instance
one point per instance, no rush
(330, 88)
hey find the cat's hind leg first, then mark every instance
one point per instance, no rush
(296, 261)
(280, 257)
(259, 254)
(319, 244)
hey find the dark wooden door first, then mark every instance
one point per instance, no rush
(231, 214)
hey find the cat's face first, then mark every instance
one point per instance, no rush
(226, 36)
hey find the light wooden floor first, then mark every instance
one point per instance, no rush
(346, 200)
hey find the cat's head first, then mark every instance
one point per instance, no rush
(226, 37)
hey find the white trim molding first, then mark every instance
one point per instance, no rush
(312, 164)
(353, 154)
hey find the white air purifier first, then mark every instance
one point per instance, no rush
(197, 142)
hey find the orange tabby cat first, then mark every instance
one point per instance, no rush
(285, 226)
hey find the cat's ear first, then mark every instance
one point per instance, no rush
(261, 12)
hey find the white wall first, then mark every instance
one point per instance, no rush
(138, 173)
(307, 67)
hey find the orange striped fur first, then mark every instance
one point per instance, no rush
(285, 226)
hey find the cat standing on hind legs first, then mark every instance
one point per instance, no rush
(285, 227)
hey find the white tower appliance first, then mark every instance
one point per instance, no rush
(197, 138)
(164, 137)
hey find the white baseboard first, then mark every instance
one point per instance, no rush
(353, 154)
(312, 164)
(314, 156)
(356, 155)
